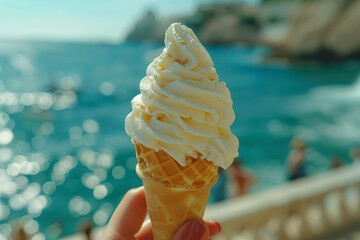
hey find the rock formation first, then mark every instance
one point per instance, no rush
(324, 30)
(215, 23)
(317, 29)
(226, 29)
(148, 28)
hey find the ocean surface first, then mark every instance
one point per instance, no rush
(65, 158)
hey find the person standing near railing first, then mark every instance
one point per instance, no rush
(355, 155)
(296, 159)
(243, 178)
(337, 162)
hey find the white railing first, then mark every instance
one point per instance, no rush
(309, 208)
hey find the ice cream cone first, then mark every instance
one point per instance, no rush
(183, 110)
(174, 194)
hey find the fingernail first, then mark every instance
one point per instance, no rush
(194, 230)
(218, 225)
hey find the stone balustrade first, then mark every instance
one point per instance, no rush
(310, 208)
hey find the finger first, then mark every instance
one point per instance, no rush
(194, 229)
(214, 227)
(145, 232)
(128, 216)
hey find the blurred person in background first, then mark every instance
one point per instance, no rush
(19, 234)
(296, 159)
(219, 189)
(355, 155)
(242, 178)
(86, 229)
(336, 162)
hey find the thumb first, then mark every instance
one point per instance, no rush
(194, 229)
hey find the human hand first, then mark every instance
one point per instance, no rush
(126, 222)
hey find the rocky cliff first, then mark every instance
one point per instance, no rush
(318, 29)
(214, 23)
(324, 30)
(148, 28)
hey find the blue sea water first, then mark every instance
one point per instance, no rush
(65, 157)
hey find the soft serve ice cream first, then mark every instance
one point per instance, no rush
(183, 108)
(180, 126)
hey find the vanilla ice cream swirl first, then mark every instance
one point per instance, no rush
(183, 109)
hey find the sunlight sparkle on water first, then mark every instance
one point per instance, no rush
(13, 169)
(89, 140)
(67, 163)
(5, 229)
(4, 118)
(102, 215)
(21, 182)
(38, 142)
(100, 192)
(14, 108)
(72, 81)
(49, 187)
(4, 212)
(42, 159)
(5, 154)
(27, 99)
(20, 159)
(107, 88)
(118, 172)
(87, 157)
(6, 135)
(31, 227)
(61, 168)
(38, 236)
(23, 63)
(90, 181)
(45, 101)
(106, 160)
(32, 190)
(36, 206)
(47, 128)
(53, 231)
(17, 202)
(22, 147)
(8, 188)
(101, 173)
(64, 99)
(75, 132)
(90, 126)
(78, 206)
(10, 98)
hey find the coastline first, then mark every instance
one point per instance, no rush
(299, 31)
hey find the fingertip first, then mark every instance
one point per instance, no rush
(214, 227)
(145, 232)
(136, 191)
(129, 214)
(136, 195)
(194, 229)
(218, 225)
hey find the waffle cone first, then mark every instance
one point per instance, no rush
(174, 194)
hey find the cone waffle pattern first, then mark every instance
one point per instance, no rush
(174, 194)
(161, 167)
